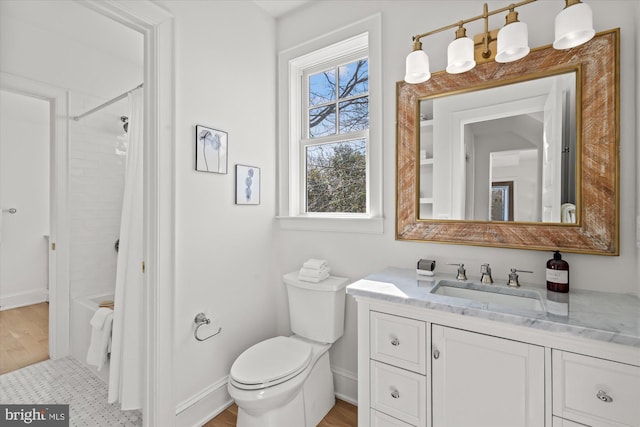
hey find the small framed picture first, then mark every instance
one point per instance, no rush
(211, 150)
(247, 185)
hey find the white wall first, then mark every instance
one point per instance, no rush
(225, 253)
(355, 256)
(24, 179)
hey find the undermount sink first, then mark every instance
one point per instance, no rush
(490, 295)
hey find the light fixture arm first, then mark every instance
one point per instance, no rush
(486, 38)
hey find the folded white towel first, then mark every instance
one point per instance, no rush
(99, 347)
(312, 279)
(97, 321)
(315, 263)
(311, 272)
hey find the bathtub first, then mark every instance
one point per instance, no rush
(82, 310)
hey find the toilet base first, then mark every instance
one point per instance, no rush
(306, 409)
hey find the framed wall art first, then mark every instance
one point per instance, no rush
(247, 185)
(211, 150)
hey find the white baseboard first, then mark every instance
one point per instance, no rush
(346, 385)
(22, 299)
(203, 406)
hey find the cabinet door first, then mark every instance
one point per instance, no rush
(484, 381)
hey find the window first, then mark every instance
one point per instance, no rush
(330, 163)
(335, 138)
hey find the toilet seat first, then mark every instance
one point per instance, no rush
(270, 362)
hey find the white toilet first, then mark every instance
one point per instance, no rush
(287, 381)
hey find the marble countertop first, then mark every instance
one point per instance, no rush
(595, 315)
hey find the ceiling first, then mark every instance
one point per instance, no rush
(277, 8)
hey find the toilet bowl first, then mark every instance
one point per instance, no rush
(287, 381)
(283, 381)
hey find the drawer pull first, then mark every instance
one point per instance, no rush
(395, 394)
(436, 354)
(395, 342)
(602, 395)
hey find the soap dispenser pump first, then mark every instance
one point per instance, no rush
(558, 274)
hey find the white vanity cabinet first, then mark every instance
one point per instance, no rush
(480, 380)
(431, 368)
(595, 392)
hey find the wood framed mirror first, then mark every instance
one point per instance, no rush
(593, 224)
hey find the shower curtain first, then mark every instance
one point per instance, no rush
(126, 366)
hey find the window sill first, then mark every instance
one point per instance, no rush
(368, 225)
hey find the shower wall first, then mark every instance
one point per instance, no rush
(97, 156)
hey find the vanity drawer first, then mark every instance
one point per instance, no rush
(398, 341)
(399, 393)
(595, 392)
(378, 419)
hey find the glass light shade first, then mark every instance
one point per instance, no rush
(460, 56)
(574, 26)
(513, 42)
(417, 67)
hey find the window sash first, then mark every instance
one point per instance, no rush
(331, 139)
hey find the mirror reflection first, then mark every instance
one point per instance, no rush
(505, 153)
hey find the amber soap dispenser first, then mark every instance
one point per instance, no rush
(558, 274)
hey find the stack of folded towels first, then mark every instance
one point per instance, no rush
(314, 270)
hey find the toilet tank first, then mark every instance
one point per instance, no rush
(316, 310)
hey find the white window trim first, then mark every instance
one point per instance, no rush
(348, 40)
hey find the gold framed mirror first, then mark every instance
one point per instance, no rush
(594, 228)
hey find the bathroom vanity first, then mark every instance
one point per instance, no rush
(430, 357)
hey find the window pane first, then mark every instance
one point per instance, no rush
(354, 78)
(354, 115)
(322, 121)
(336, 177)
(322, 87)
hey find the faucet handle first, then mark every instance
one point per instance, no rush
(513, 277)
(485, 274)
(462, 273)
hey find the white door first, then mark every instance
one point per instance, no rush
(484, 381)
(551, 155)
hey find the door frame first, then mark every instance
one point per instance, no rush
(157, 26)
(59, 304)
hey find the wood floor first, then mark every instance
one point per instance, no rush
(342, 414)
(24, 336)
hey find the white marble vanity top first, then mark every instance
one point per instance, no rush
(595, 315)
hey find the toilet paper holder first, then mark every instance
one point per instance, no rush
(200, 320)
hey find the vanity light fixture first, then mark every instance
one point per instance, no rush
(417, 65)
(573, 27)
(513, 39)
(460, 53)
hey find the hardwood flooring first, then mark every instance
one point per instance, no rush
(342, 414)
(24, 336)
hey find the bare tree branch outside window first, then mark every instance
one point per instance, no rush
(336, 171)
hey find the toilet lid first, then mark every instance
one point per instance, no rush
(265, 363)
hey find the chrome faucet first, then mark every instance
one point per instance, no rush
(462, 273)
(513, 277)
(485, 270)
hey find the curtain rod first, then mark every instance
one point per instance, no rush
(106, 104)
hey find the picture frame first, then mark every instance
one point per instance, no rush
(211, 150)
(247, 185)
